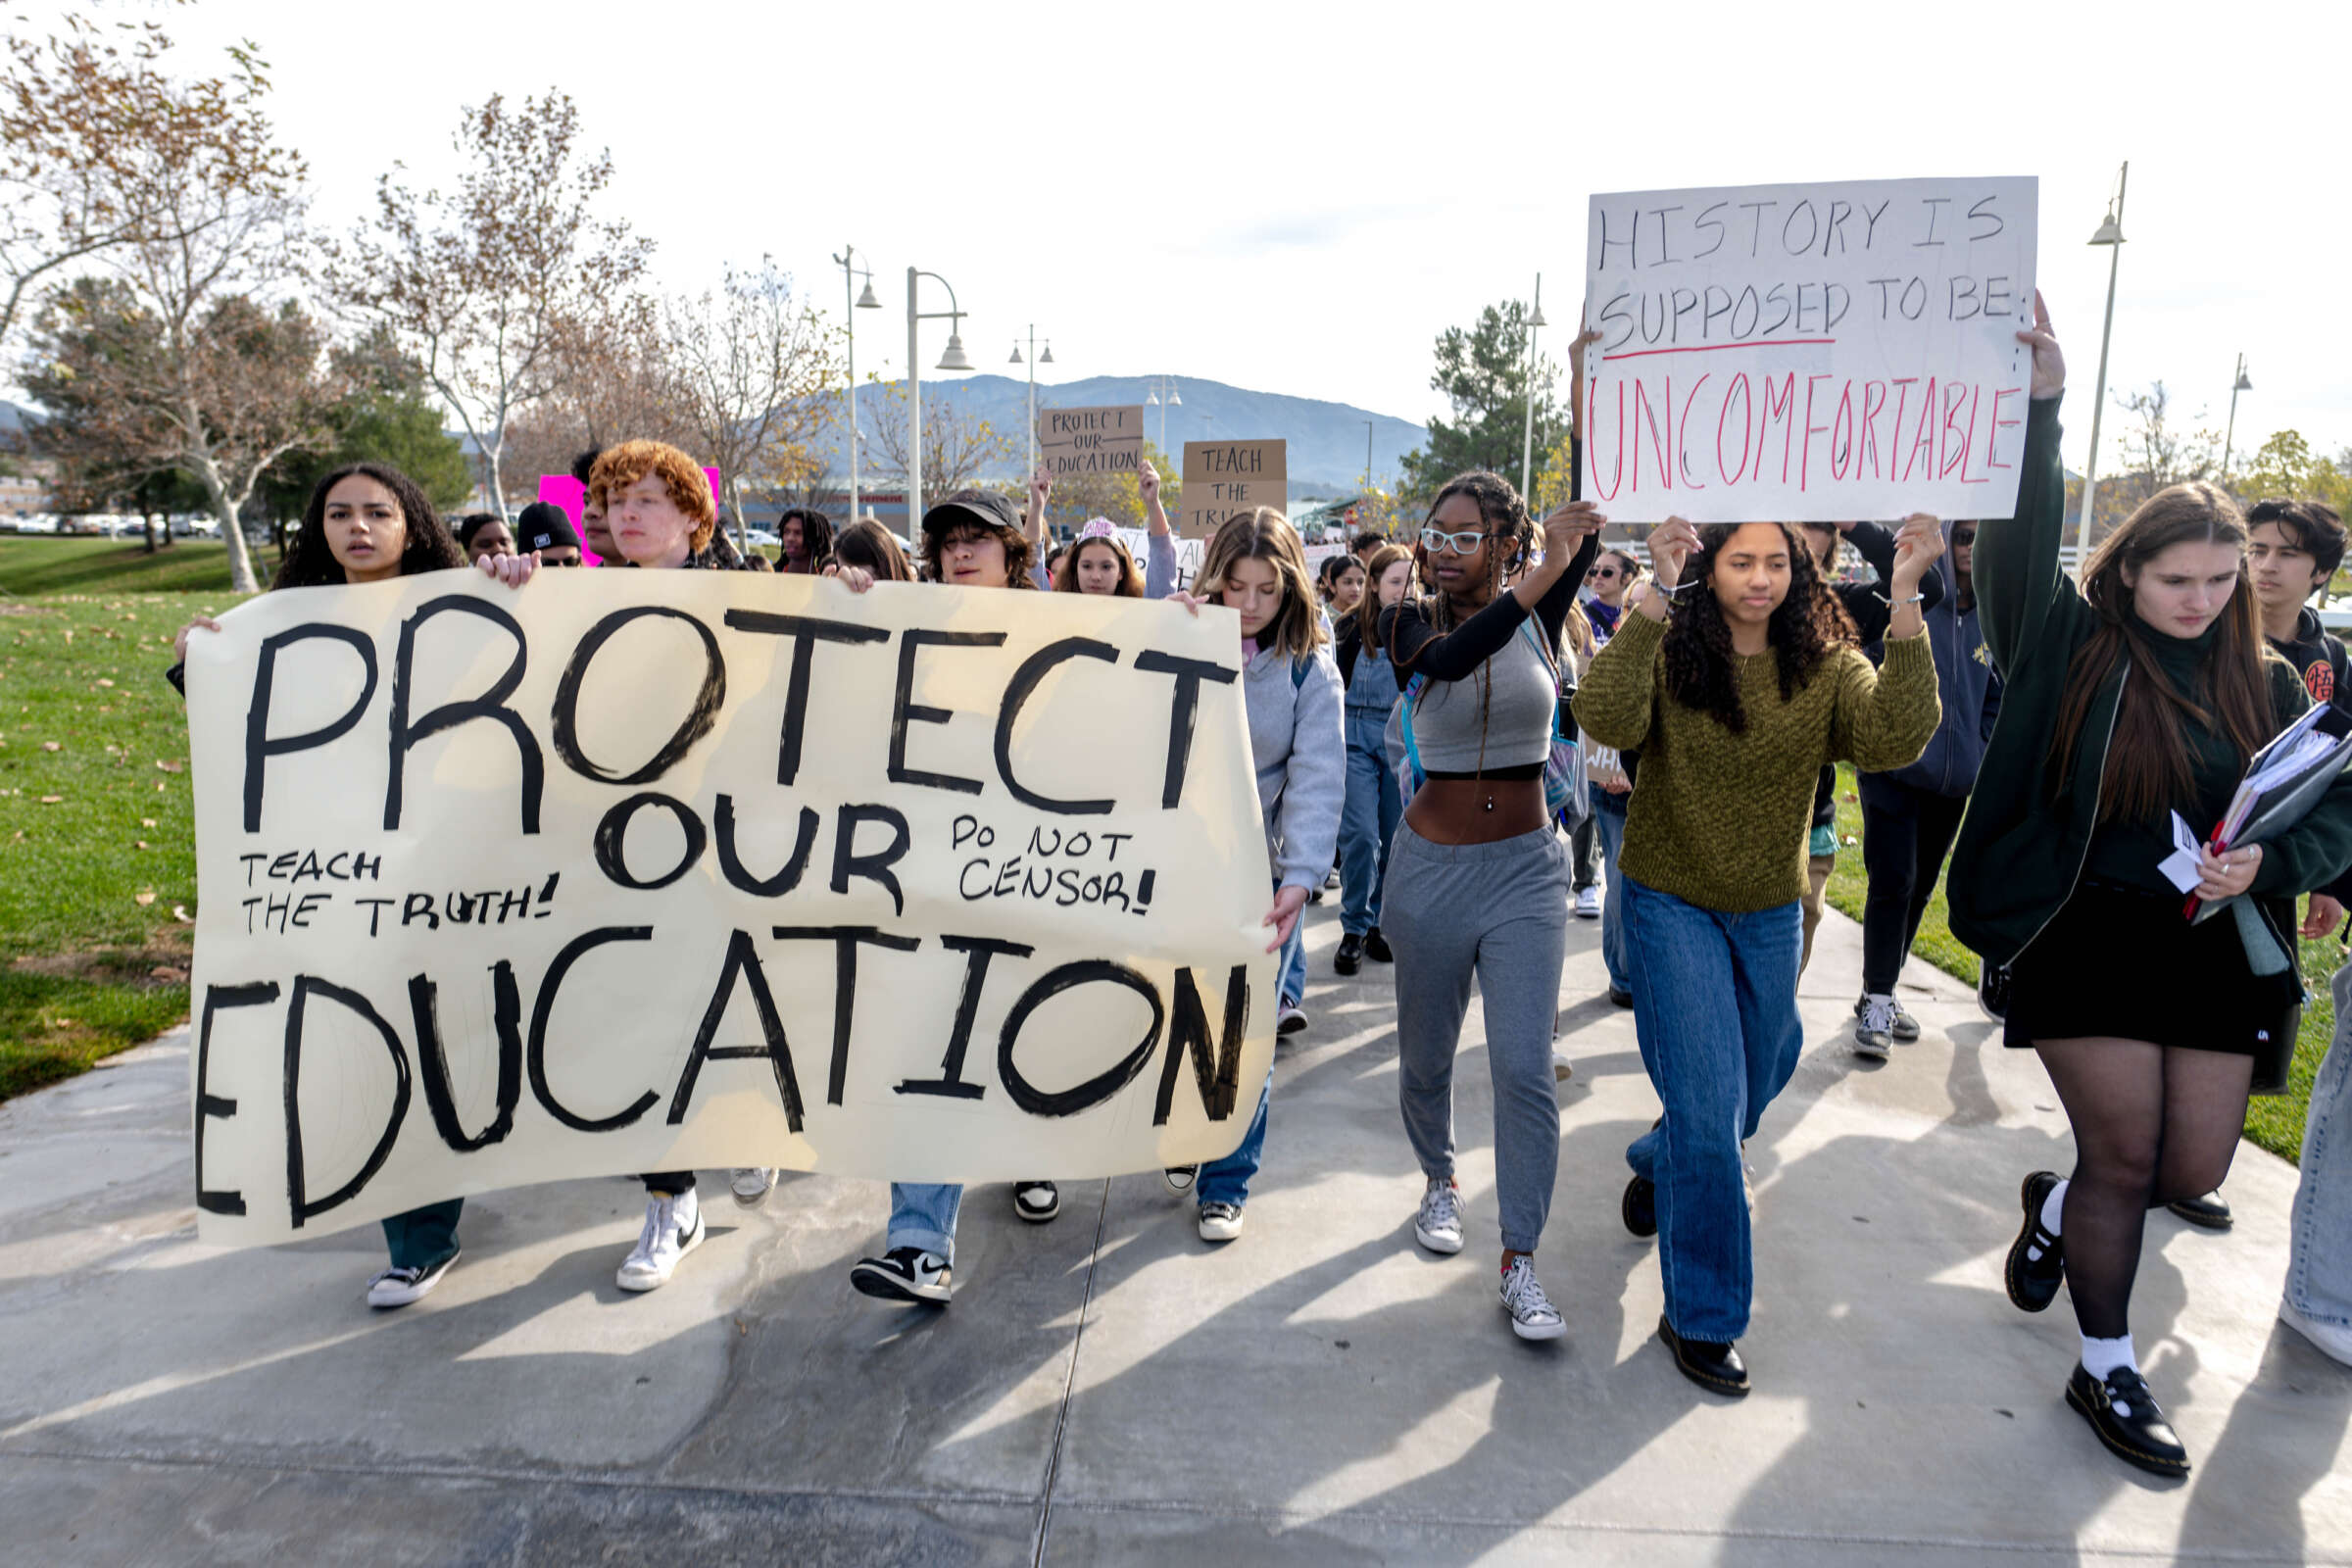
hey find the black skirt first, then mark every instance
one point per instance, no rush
(2126, 964)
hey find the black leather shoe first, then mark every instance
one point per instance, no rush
(1639, 1206)
(1619, 997)
(2125, 1415)
(1713, 1367)
(1993, 990)
(1376, 947)
(2033, 1281)
(1351, 957)
(2211, 1212)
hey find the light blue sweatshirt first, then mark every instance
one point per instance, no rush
(1300, 753)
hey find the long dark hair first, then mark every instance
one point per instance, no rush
(816, 537)
(1065, 566)
(2148, 767)
(428, 548)
(1805, 627)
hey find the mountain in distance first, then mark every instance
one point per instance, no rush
(1325, 456)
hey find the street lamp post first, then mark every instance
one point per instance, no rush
(2110, 234)
(1367, 457)
(846, 261)
(1034, 361)
(1527, 442)
(1153, 400)
(954, 360)
(2237, 384)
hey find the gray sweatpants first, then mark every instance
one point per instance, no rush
(1499, 910)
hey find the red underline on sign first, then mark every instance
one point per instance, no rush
(1709, 348)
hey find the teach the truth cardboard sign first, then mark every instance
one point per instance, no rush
(654, 870)
(1223, 477)
(1808, 353)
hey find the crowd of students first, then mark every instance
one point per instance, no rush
(1499, 726)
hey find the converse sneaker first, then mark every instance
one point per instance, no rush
(1179, 1178)
(398, 1287)
(673, 1227)
(751, 1185)
(1587, 904)
(1533, 1316)
(1873, 1029)
(906, 1274)
(1437, 1225)
(1220, 1222)
(1036, 1201)
(1290, 1018)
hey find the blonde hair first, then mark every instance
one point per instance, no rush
(1263, 534)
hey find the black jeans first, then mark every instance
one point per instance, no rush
(1906, 833)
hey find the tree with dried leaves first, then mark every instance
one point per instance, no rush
(610, 378)
(93, 131)
(751, 368)
(959, 446)
(483, 283)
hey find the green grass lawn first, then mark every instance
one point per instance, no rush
(97, 844)
(40, 566)
(2275, 1121)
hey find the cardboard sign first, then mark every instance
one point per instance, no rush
(1106, 440)
(1223, 477)
(660, 870)
(1810, 353)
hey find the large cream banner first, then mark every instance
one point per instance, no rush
(656, 871)
(1808, 353)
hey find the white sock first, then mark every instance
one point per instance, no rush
(2053, 1208)
(2102, 1356)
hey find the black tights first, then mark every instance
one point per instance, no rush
(2152, 1125)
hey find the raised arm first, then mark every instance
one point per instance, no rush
(2018, 583)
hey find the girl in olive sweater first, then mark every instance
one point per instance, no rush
(1737, 696)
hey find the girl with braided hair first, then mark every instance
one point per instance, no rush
(1477, 879)
(1736, 677)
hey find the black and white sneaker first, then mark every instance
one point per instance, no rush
(398, 1287)
(1220, 1222)
(1903, 1027)
(1992, 990)
(906, 1274)
(1036, 1201)
(1873, 1029)
(2126, 1416)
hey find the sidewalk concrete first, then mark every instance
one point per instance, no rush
(1102, 1390)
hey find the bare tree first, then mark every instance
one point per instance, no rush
(482, 284)
(609, 379)
(958, 445)
(2156, 451)
(752, 366)
(89, 125)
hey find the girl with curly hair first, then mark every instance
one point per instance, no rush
(1733, 676)
(2129, 704)
(369, 522)
(1477, 878)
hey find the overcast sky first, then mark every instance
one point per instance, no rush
(1297, 198)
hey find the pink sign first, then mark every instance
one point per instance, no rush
(562, 490)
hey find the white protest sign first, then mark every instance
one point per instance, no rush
(656, 870)
(1808, 353)
(1102, 440)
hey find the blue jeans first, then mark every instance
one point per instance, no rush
(1367, 819)
(2319, 1265)
(1610, 820)
(1227, 1180)
(1715, 1007)
(1293, 984)
(923, 1214)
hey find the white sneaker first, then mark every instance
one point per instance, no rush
(398, 1287)
(1533, 1316)
(1437, 1225)
(1587, 904)
(751, 1185)
(2331, 1342)
(1220, 1222)
(906, 1274)
(1562, 1069)
(673, 1227)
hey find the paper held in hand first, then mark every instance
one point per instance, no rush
(2286, 779)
